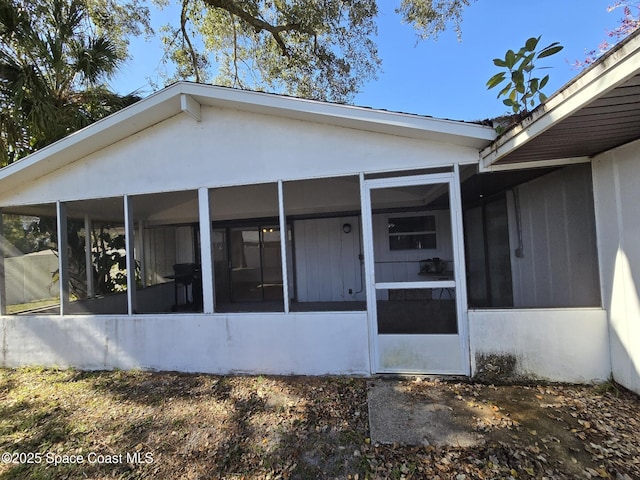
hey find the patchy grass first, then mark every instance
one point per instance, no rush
(135, 425)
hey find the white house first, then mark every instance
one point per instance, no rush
(216, 230)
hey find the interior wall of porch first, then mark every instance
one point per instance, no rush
(328, 260)
(554, 255)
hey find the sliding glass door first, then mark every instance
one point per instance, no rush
(248, 266)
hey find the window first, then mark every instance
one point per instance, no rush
(412, 233)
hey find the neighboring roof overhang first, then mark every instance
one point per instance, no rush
(595, 112)
(187, 98)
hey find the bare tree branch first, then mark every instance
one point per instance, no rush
(185, 34)
(235, 52)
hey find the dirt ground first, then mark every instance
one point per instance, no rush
(65, 424)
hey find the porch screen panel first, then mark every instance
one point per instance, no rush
(530, 239)
(29, 247)
(167, 252)
(412, 233)
(246, 248)
(327, 252)
(413, 260)
(97, 248)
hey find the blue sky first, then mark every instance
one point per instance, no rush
(444, 78)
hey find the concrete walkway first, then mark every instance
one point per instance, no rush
(396, 416)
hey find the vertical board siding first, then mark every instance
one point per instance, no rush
(559, 266)
(327, 263)
(28, 277)
(160, 246)
(184, 245)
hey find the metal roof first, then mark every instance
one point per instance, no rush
(596, 111)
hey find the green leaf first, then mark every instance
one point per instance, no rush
(543, 82)
(497, 79)
(527, 61)
(517, 77)
(505, 90)
(550, 50)
(532, 43)
(522, 90)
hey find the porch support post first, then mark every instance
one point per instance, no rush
(283, 246)
(130, 256)
(460, 274)
(63, 256)
(141, 256)
(88, 255)
(369, 268)
(206, 257)
(3, 283)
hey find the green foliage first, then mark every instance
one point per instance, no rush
(26, 234)
(430, 17)
(21, 234)
(57, 56)
(109, 260)
(53, 71)
(321, 50)
(522, 88)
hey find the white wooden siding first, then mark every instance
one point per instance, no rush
(184, 245)
(559, 266)
(160, 253)
(327, 263)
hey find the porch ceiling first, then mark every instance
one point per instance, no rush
(597, 111)
(162, 208)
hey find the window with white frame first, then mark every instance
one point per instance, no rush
(412, 233)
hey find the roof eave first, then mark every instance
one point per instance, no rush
(349, 116)
(187, 97)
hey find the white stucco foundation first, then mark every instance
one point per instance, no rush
(561, 345)
(267, 343)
